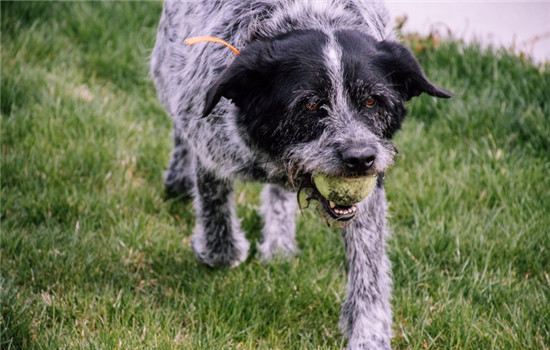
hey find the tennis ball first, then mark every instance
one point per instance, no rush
(303, 197)
(344, 190)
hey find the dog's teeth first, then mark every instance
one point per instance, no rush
(347, 211)
(332, 204)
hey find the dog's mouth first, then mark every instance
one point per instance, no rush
(331, 210)
(336, 211)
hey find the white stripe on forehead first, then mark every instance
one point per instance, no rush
(335, 71)
(333, 58)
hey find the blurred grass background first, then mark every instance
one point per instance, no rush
(93, 256)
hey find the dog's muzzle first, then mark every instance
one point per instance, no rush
(338, 195)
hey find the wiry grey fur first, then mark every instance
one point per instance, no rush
(215, 143)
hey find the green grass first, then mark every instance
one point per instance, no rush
(93, 256)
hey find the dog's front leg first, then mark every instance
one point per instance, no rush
(366, 314)
(178, 179)
(218, 240)
(278, 211)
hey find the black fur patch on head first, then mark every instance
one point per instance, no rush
(386, 72)
(366, 80)
(271, 82)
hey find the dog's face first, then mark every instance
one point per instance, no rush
(323, 104)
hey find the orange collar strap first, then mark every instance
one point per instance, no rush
(211, 39)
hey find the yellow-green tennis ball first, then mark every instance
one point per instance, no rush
(344, 190)
(303, 198)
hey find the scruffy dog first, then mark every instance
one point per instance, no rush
(318, 88)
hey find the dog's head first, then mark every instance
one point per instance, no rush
(321, 103)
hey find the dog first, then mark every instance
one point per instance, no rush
(318, 87)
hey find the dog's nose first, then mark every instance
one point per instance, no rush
(359, 158)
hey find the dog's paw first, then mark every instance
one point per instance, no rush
(228, 253)
(370, 344)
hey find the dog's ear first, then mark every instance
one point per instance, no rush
(405, 72)
(213, 96)
(243, 76)
(228, 85)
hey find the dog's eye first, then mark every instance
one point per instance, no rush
(313, 104)
(370, 101)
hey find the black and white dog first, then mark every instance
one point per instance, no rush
(318, 88)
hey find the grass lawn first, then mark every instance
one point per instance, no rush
(92, 255)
